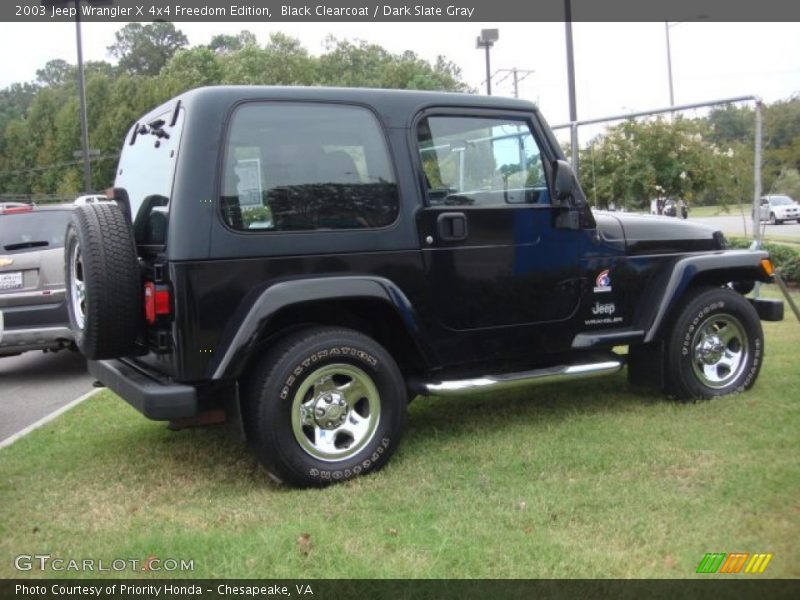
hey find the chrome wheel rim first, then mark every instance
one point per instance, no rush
(335, 412)
(720, 351)
(77, 286)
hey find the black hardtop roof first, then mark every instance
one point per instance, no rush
(395, 106)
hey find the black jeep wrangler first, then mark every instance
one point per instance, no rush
(315, 258)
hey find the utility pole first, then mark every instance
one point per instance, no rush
(669, 65)
(515, 73)
(87, 169)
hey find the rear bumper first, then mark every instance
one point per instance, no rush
(13, 341)
(34, 327)
(154, 396)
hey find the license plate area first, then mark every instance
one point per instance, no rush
(11, 280)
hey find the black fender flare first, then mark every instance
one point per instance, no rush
(666, 290)
(253, 315)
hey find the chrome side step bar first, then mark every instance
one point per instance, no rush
(511, 380)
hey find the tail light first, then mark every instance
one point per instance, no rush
(156, 301)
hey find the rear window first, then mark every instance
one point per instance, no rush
(304, 167)
(37, 230)
(146, 166)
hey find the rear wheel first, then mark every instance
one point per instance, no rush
(104, 295)
(715, 347)
(325, 405)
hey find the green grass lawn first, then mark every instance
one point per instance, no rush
(586, 479)
(716, 211)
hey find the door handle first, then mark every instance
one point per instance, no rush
(452, 226)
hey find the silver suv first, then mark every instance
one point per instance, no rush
(778, 208)
(33, 313)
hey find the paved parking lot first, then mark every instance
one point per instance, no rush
(736, 225)
(35, 384)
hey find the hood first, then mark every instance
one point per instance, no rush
(650, 234)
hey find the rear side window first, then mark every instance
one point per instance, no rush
(305, 167)
(38, 230)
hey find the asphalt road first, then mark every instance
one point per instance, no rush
(735, 225)
(34, 384)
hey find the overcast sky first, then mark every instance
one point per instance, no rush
(619, 66)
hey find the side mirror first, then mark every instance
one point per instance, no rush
(565, 182)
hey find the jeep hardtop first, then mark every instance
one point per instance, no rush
(312, 259)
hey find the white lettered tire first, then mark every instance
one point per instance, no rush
(325, 405)
(715, 346)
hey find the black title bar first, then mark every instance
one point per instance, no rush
(392, 10)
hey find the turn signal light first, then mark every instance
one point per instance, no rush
(156, 301)
(766, 264)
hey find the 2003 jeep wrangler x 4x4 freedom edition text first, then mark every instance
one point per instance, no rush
(315, 258)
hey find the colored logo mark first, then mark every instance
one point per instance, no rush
(603, 282)
(735, 562)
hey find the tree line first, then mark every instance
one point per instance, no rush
(703, 160)
(40, 120)
(707, 160)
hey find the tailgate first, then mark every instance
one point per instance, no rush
(35, 277)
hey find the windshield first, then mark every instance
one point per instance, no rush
(27, 231)
(782, 200)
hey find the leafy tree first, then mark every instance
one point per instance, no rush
(283, 61)
(55, 72)
(370, 65)
(731, 124)
(639, 161)
(224, 43)
(191, 68)
(788, 182)
(145, 49)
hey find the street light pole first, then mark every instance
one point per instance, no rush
(486, 40)
(669, 66)
(87, 169)
(488, 71)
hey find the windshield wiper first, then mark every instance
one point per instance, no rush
(20, 245)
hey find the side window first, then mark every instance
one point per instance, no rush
(475, 161)
(303, 167)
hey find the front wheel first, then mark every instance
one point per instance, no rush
(774, 220)
(715, 347)
(325, 405)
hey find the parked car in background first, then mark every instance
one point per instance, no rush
(5, 205)
(33, 314)
(671, 208)
(779, 208)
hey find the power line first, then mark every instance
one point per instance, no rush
(515, 73)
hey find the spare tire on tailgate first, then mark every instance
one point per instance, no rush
(104, 292)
